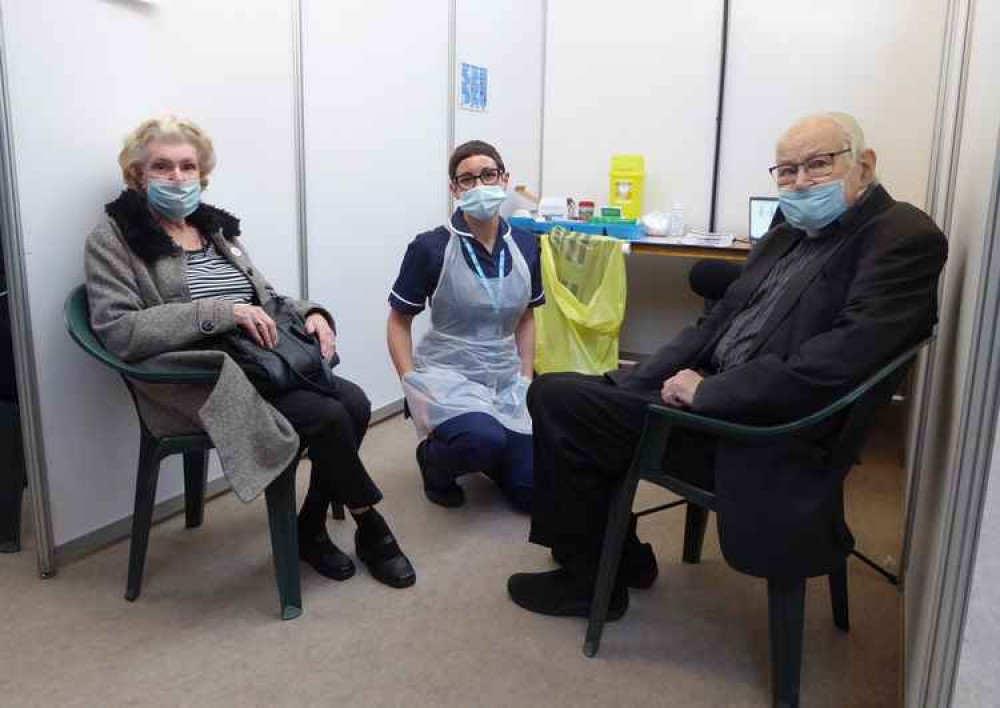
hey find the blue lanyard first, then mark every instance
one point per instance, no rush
(495, 295)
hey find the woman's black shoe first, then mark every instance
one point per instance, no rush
(323, 555)
(386, 562)
(560, 593)
(442, 492)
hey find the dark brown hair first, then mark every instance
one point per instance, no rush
(471, 149)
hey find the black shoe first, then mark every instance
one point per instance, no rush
(637, 569)
(386, 562)
(560, 593)
(323, 555)
(442, 492)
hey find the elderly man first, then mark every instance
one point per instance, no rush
(848, 282)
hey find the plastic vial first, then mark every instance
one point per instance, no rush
(677, 220)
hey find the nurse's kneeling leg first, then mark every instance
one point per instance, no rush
(471, 442)
(515, 474)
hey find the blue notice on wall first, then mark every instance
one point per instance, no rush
(472, 95)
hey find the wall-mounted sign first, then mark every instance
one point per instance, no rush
(472, 93)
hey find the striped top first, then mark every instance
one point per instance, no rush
(735, 345)
(211, 275)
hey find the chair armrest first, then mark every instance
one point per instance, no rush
(728, 429)
(76, 314)
(163, 375)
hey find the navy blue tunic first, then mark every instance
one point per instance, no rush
(421, 268)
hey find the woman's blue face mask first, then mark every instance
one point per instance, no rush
(174, 200)
(812, 209)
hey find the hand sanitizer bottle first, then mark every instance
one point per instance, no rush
(677, 220)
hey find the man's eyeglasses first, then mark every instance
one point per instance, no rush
(816, 167)
(488, 177)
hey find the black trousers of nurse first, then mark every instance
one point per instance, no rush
(332, 427)
(585, 433)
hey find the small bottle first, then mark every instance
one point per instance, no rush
(677, 220)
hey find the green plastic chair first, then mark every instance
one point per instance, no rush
(280, 494)
(786, 597)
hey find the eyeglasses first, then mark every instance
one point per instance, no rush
(488, 177)
(816, 167)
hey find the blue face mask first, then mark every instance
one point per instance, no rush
(482, 203)
(812, 209)
(174, 200)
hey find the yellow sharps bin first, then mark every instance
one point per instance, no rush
(628, 174)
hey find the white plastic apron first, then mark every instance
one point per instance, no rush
(468, 362)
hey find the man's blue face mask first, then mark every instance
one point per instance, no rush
(174, 200)
(812, 209)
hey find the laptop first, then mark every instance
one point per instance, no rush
(762, 211)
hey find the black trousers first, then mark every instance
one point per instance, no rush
(586, 430)
(332, 427)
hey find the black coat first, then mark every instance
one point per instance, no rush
(780, 505)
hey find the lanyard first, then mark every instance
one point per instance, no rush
(495, 294)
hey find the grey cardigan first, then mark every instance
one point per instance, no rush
(142, 311)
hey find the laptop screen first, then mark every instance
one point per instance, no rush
(761, 213)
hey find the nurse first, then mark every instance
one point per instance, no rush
(465, 383)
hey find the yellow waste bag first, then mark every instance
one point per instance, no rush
(584, 279)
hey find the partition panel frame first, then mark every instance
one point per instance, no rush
(20, 315)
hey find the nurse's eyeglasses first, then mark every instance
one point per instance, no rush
(487, 177)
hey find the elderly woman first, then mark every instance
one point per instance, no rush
(465, 384)
(165, 274)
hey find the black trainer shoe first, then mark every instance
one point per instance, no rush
(560, 593)
(386, 562)
(442, 492)
(323, 555)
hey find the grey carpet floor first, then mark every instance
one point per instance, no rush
(205, 631)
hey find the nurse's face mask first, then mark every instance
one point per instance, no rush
(479, 187)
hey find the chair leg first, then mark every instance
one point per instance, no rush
(280, 495)
(838, 597)
(695, 523)
(786, 614)
(620, 514)
(12, 478)
(195, 480)
(142, 515)
(338, 510)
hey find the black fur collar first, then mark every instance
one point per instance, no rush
(146, 237)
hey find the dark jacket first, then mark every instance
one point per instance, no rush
(780, 507)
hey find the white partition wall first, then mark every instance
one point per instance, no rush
(376, 123)
(948, 496)
(877, 60)
(640, 77)
(508, 40)
(81, 75)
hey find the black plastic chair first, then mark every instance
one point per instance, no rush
(786, 597)
(710, 277)
(12, 477)
(12, 471)
(280, 494)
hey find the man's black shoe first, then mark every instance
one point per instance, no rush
(637, 569)
(442, 492)
(323, 555)
(386, 561)
(560, 593)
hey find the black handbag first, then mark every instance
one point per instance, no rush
(295, 362)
